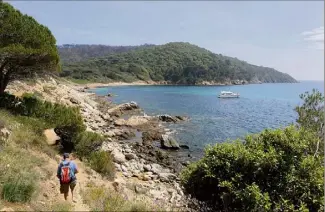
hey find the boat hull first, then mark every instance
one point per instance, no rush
(237, 96)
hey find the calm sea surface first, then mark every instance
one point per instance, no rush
(216, 120)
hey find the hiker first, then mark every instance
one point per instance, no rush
(67, 171)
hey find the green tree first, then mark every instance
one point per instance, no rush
(26, 47)
(311, 112)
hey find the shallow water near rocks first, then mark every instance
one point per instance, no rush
(214, 120)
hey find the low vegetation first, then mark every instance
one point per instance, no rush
(53, 114)
(102, 162)
(179, 63)
(276, 170)
(19, 179)
(26, 132)
(87, 142)
(18, 182)
(87, 145)
(61, 206)
(103, 199)
(40, 115)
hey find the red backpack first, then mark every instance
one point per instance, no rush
(65, 173)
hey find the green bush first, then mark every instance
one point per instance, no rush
(102, 162)
(18, 190)
(87, 142)
(276, 170)
(55, 114)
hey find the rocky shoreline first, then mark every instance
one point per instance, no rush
(144, 157)
(138, 143)
(203, 83)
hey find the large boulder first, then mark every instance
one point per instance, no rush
(134, 121)
(128, 106)
(167, 118)
(105, 117)
(117, 111)
(130, 156)
(168, 142)
(74, 100)
(174, 119)
(51, 137)
(149, 136)
(156, 168)
(118, 157)
(120, 122)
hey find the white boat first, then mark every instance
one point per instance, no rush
(228, 94)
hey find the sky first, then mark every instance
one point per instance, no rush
(287, 36)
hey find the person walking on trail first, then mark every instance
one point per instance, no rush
(67, 171)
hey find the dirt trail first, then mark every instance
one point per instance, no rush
(50, 188)
(82, 180)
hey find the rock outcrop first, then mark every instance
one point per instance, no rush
(167, 142)
(117, 111)
(51, 137)
(168, 118)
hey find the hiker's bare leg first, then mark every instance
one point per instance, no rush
(66, 195)
(72, 194)
(72, 186)
(64, 189)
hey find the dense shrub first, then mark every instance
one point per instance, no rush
(273, 171)
(87, 142)
(102, 162)
(53, 113)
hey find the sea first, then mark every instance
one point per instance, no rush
(214, 120)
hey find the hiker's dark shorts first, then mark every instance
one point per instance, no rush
(64, 188)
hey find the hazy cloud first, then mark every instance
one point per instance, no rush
(315, 37)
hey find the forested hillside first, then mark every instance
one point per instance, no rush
(78, 52)
(176, 63)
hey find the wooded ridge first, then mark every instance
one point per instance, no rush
(173, 63)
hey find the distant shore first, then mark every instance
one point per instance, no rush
(98, 85)
(113, 84)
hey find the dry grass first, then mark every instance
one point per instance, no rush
(19, 168)
(48, 89)
(61, 206)
(27, 132)
(103, 199)
(18, 176)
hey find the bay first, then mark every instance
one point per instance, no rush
(212, 119)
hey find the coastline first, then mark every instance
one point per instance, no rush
(137, 161)
(164, 83)
(112, 84)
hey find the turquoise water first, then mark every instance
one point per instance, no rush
(212, 119)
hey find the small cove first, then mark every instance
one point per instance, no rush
(214, 120)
